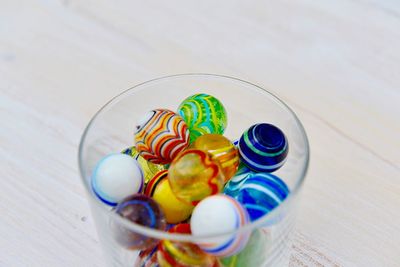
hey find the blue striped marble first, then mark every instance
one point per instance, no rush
(259, 193)
(263, 147)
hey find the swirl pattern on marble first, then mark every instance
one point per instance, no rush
(161, 135)
(263, 147)
(203, 114)
(221, 150)
(194, 175)
(259, 193)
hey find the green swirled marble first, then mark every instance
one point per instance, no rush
(203, 114)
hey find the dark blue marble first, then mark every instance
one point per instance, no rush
(263, 147)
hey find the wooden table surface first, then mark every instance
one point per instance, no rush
(336, 63)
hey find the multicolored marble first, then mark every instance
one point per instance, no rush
(174, 209)
(259, 193)
(149, 169)
(194, 175)
(255, 252)
(221, 150)
(115, 177)
(263, 147)
(161, 135)
(203, 114)
(182, 254)
(220, 214)
(142, 210)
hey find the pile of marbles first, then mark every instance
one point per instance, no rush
(183, 176)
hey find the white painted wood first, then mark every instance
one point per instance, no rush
(336, 63)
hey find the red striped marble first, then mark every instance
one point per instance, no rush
(161, 136)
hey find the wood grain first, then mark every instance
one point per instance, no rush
(336, 63)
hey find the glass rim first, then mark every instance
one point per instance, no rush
(159, 234)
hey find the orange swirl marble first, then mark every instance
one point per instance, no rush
(161, 135)
(221, 150)
(194, 175)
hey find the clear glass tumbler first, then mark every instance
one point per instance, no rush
(112, 129)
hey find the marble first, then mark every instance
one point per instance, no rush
(203, 114)
(174, 209)
(221, 150)
(115, 177)
(161, 135)
(194, 175)
(217, 216)
(142, 210)
(263, 147)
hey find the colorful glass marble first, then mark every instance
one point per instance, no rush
(160, 135)
(115, 177)
(220, 214)
(142, 210)
(221, 150)
(203, 114)
(149, 169)
(263, 147)
(182, 254)
(255, 252)
(259, 193)
(193, 175)
(174, 209)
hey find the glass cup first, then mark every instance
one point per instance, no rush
(112, 130)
